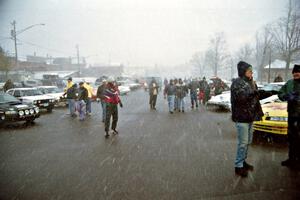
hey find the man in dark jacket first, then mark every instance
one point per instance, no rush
(71, 97)
(193, 86)
(100, 97)
(112, 99)
(82, 100)
(153, 92)
(170, 92)
(181, 92)
(291, 92)
(245, 109)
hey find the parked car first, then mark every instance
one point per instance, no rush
(33, 96)
(124, 90)
(221, 101)
(275, 119)
(13, 110)
(54, 92)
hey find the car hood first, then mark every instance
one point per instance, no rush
(55, 95)
(15, 107)
(278, 109)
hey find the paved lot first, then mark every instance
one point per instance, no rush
(156, 156)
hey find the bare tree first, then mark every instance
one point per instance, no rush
(217, 52)
(286, 34)
(245, 53)
(4, 62)
(198, 61)
(263, 48)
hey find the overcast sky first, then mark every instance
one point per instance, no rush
(135, 32)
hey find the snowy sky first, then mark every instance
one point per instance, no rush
(135, 32)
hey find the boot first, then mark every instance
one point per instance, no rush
(115, 131)
(106, 134)
(241, 171)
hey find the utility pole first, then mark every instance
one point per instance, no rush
(269, 73)
(14, 37)
(78, 61)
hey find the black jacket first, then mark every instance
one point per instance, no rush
(71, 93)
(83, 94)
(245, 104)
(100, 91)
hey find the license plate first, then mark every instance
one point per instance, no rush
(46, 104)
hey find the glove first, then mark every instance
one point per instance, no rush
(291, 96)
(121, 105)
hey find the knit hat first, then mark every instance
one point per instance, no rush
(242, 67)
(296, 69)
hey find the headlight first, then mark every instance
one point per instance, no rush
(37, 110)
(26, 112)
(31, 111)
(21, 113)
(285, 119)
(11, 112)
(39, 101)
(3, 117)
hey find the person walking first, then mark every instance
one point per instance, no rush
(204, 91)
(8, 85)
(153, 92)
(245, 108)
(181, 92)
(82, 100)
(193, 86)
(290, 92)
(71, 98)
(100, 97)
(89, 88)
(169, 93)
(112, 99)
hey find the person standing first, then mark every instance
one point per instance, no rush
(278, 78)
(169, 93)
(100, 97)
(290, 92)
(153, 92)
(69, 83)
(204, 91)
(89, 88)
(193, 86)
(245, 108)
(71, 98)
(82, 100)
(8, 85)
(181, 91)
(112, 99)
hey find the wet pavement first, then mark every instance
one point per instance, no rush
(155, 156)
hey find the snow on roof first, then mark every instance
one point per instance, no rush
(279, 64)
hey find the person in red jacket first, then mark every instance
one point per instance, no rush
(112, 99)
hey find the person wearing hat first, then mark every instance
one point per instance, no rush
(100, 97)
(245, 108)
(89, 99)
(290, 92)
(153, 92)
(71, 98)
(112, 99)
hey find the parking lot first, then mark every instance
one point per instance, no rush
(155, 156)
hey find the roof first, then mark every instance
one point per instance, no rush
(279, 64)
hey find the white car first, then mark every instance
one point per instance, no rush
(33, 96)
(54, 92)
(124, 90)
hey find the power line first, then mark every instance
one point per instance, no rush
(42, 47)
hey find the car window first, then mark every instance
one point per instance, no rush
(17, 93)
(32, 92)
(4, 98)
(11, 92)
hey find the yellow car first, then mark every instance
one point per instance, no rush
(275, 119)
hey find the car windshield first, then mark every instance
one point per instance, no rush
(271, 87)
(32, 92)
(5, 98)
(52, 90)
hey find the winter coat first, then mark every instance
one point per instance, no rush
(170, 90)
(8, 85)
(100, 91)
(111, 95)
(245, 104)
(83, 94)
(181, 90)
(290, 92)
(152, 88)
(193, 86)
(71, 93)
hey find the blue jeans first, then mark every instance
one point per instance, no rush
(89, 105)
(171, 101)
(194, 100)
(81, 107)
(103, 105)
(71, 105)
(244, 136)
(180, 103)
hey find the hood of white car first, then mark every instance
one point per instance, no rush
(37, 97)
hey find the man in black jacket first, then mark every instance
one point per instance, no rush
(153, 92)
(71, 97)
(82, 100)
(245, 108)
(100, 97)
(290, 92)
